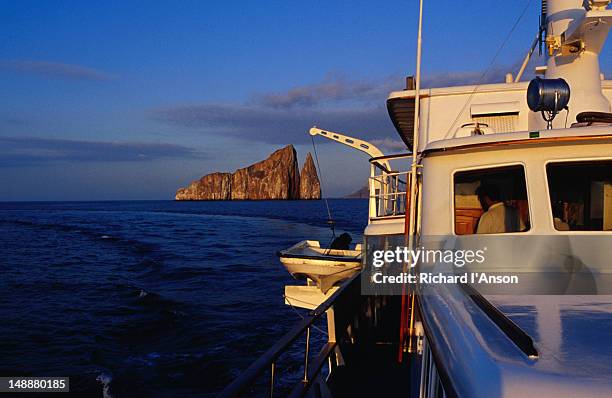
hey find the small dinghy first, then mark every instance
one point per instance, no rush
(324, 266)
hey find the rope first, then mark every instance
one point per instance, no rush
(330, 220)
(300, 315)
(478, 83)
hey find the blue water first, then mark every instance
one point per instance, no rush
(152, 298)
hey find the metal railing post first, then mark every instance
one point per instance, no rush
(305, 380)
(395, 190)
(372, 191)
(272, 379)
(267, 361)
(388, 192)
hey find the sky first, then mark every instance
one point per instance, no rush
(124, 100)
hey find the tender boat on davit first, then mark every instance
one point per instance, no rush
(324, 266)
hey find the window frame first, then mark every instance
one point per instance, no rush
(551, 221)
(491, 167)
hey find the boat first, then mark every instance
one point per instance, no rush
(519, 175)
(323, 266)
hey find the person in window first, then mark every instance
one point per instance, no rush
(558, 209)
(497, 216)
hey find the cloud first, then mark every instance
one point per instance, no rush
(339, 89)
(274, 126)
(331, 89)
(496, 74)
(56, 70)
(389, 144)
(336, 103)
(20, 151)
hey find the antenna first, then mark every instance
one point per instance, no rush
(543, 26)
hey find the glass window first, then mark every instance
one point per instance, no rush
(491, 201)
(581, 195)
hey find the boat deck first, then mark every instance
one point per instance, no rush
(373, 372)
(372, 368)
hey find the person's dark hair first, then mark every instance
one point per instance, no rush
(557, 209)
(490, 190)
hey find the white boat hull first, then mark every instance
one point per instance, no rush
(325, 267)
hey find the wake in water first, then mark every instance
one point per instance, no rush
(142, 299)
(105, 380)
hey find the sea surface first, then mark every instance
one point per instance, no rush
(151, 298)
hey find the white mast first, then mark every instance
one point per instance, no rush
(411, 227)
(415, 138)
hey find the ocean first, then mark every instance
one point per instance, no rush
(151, 298)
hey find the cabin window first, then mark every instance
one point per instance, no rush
(490, 201)
(581, 195)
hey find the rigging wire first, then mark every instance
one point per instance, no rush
(486, 72)
(330, 220)
(298, 313)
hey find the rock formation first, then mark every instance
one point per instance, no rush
(215, 186)
(310, 187)
(277, 177)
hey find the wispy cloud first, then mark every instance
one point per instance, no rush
(333, 88)
(336, 103)
(274, 126)
(56, 70)
(20, 151)
(496, 74)
(389, 144)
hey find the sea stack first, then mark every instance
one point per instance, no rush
(276, 178)
(310, 187)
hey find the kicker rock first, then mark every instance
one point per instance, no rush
(215, 186)
(310, 187)
(277, 177)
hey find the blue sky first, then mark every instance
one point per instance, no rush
(131, 100)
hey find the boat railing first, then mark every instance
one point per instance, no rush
(388, 188)
(344, 304)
